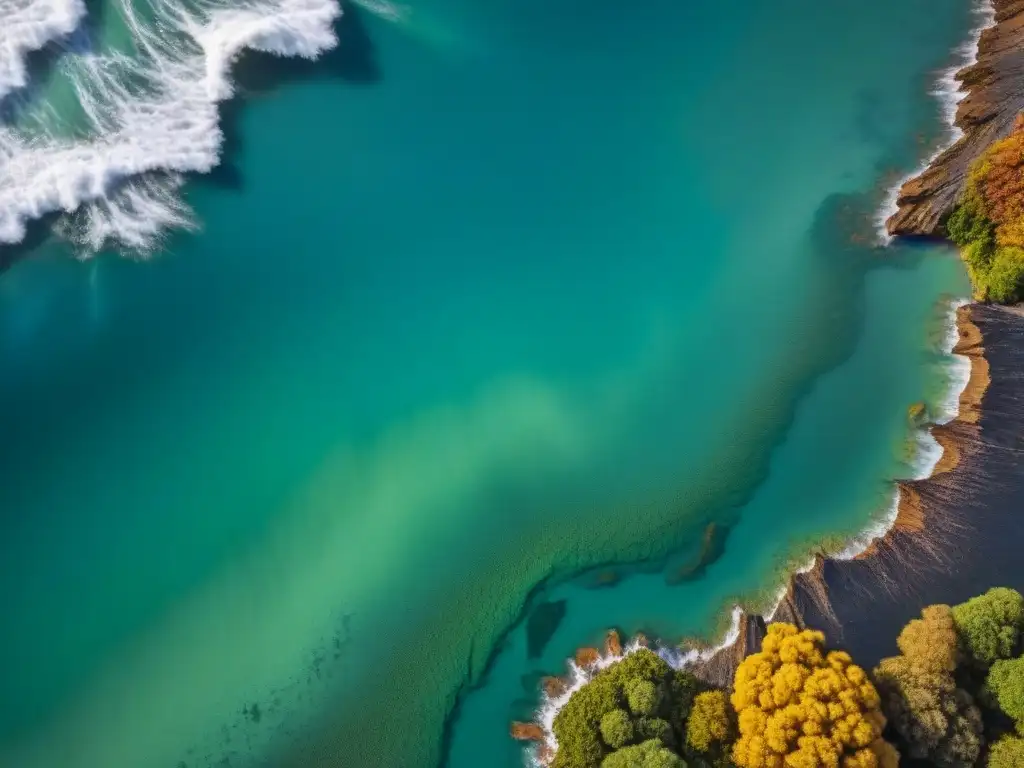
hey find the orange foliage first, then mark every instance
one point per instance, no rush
(999, 178)
(800, 707)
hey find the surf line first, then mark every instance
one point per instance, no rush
(151, 117)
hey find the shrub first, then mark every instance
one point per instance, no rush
(710, 724)
(616, 728)
(1008, 752)
(989, 625)
(800, 706)
(1005, 684)
(578, 726)
(649, 754)
(643, 696)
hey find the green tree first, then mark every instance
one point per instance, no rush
(1005, 684)
(1004, 278)
(654, 728)
(1008, 752)
(617, 729)
(643, 696)
(969, 223)
(649, 754)
(989, 625)
(578, 726)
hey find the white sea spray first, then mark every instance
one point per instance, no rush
(151, 117)
(27, 26)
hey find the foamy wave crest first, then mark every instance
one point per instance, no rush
(152, 116)
(949, 93)
(28, 25)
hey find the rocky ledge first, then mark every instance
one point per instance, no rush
(995, 96)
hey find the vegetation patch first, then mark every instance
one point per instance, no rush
(952, 698)
(988, 222)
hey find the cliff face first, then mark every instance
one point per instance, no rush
(995, 96)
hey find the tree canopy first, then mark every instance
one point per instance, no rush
(1008, 752)
(1005, 683)
(988, 222)
(649, 754)
(639, 698)
(937, 720)
(801, 707)
(989, 625)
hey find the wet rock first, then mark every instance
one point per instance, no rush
(527, 732)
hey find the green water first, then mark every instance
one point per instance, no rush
(553, 289)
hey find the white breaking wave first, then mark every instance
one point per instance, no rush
(28, 25)
(949, 93)
(152, 116)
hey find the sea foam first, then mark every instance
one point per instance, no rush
(28, 25)
(151, 117)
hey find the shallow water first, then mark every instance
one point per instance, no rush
(485, 298)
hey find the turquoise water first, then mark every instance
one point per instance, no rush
(495, 295)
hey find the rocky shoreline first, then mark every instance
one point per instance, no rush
(956, 533)
(987, 112)
(959, 531)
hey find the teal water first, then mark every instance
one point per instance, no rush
(498, 294)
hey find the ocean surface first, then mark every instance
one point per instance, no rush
(344, 398)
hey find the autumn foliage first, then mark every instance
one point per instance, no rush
(802, 707)
(999, 178)
(935, 719)
(952, 698)
(988, 222)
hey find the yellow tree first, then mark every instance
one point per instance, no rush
(800, 707)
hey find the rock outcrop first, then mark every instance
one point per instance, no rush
(527, 732)
(612, 643)
(995, 96)
(587, 657)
